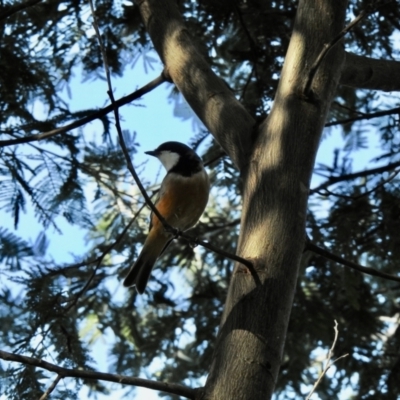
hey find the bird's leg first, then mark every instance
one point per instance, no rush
(175, 232)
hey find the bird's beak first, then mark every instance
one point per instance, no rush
(151, 153)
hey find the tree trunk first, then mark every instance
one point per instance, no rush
(276, 181)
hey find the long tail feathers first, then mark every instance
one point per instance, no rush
(140, 272)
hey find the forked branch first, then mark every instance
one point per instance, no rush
(329, 363)
(328, 46)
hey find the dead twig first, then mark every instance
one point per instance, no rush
(46, 394)
(329, 363)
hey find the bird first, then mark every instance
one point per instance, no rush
(182, 198)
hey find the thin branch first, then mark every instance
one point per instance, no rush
(172, 388)
(328, 361)
(248, 80)
(347, 108)
(209, 246)
(364, 117)
(97, 114)
(252, 43)
(18, 7)
(99, 259)
(328, 46)
(253, 48)
(348, 177)
(366, 270)
(216, 158)
(368, 192)
(51, 388)
(51, 271)
(135, 176)
(214, 228)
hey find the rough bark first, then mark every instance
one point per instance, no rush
(209, 96)
(276, 181)
(369, 73)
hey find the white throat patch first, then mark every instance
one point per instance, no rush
(168, 159)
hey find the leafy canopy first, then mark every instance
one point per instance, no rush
(47, 311)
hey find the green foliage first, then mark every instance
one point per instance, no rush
(46, 309)
(13, 249)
